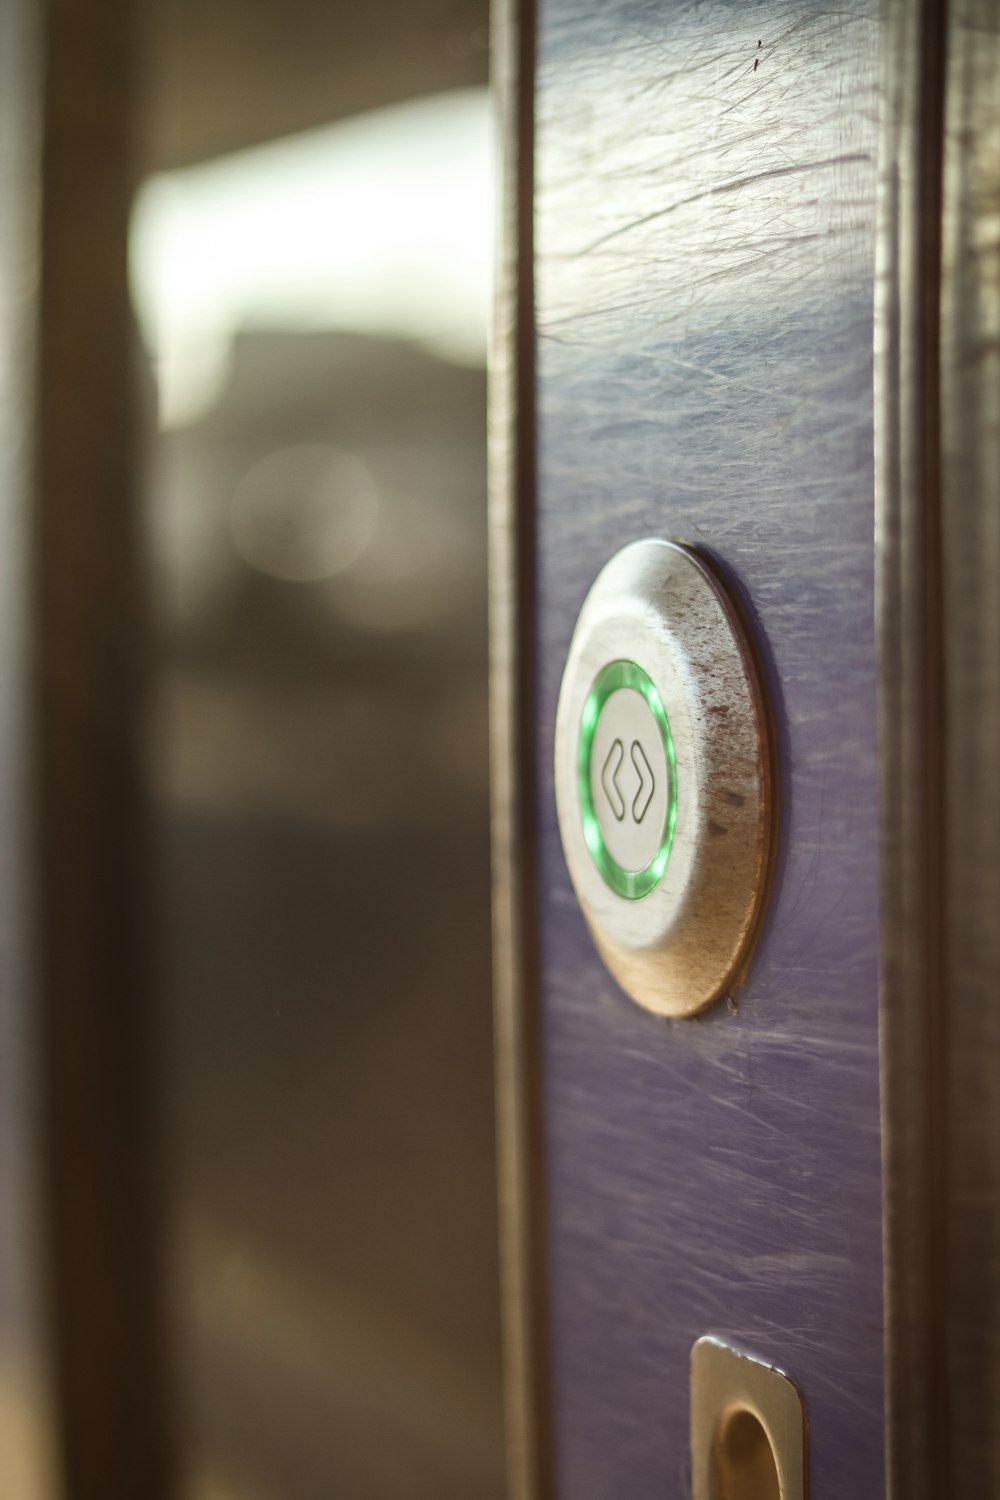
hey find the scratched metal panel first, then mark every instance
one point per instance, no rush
(704, 282)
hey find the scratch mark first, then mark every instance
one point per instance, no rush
(723, 187)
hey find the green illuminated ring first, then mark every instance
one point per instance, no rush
(632, 884)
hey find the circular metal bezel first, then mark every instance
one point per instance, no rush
(686, 940)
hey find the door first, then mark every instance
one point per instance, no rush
(751, 308)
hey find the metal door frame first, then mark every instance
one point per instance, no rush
(937, 558)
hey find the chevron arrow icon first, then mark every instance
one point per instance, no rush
(609, 779)
(644, 795)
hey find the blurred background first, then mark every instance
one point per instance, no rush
(310, 254)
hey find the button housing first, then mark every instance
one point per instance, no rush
(664, 780)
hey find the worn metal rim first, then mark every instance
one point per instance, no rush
(687, 941)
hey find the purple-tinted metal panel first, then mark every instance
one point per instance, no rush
(705, 278)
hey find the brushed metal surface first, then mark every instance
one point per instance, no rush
(517, 1018)
(970, 532)
(909, 612)
(705, 281)
(688, 939)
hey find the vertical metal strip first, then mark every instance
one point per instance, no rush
(913, 998)
(27, 1423)
(512, 697)
(970, 406)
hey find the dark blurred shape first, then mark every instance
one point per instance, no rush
(83, 1356)
(233, 73)
(322, 771)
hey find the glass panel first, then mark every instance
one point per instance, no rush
(315, 310)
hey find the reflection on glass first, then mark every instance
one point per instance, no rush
(379, 225)
(315, 313)
(304, 513)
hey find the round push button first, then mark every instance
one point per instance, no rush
(664, 778)
(627, 779)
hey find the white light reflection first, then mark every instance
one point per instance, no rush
(381, 224)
